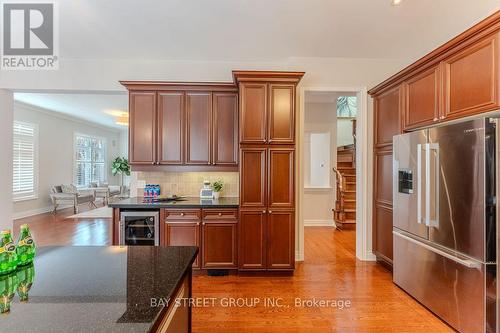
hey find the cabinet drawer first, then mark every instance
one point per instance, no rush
(182, 214)
(220, 214)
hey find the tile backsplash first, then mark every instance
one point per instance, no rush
(185, 183)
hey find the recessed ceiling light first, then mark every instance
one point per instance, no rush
(396, 2)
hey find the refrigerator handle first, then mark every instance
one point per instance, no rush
(432, 185)
(419, 183)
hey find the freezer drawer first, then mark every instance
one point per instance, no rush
(454, 289)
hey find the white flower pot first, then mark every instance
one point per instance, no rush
(216, 195)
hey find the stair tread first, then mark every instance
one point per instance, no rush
(350, 210)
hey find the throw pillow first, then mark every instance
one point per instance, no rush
(69, 189)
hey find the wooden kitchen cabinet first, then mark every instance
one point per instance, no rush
(281, 184)
(387, 109)
(281, 235)
(170, 127)
(198, 128)
(472, 78)
(183, 233)
(422, 99)
(225, 129)
(253, 180)
(142, 135)
(281, 122)
(219, 239)
(252, 239)
(253, 112)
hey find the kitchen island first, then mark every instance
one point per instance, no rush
(106, 289)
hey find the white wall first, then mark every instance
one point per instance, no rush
(56, 151)
(318, 202)
(123, 152)
(344, 132)
(6, 114)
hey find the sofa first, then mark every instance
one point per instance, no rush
(70, 195)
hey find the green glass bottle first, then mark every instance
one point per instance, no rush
(8, 286)
(25, 246)
(8, 256)
(25, 278)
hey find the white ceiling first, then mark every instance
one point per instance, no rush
(262, 29)
(95, 108)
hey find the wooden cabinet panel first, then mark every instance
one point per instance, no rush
(252, 242)
(387, 116)
(280, 239)
(253, 177)
(281, 183)
(181, 214)
(382, 232)
(220, 214)
(142, 129)
(170, 127)
(225, 129)
(198, 125)
(383, 177)
(183, 233)
(253, 112)
(471, 79)
(281, 123)
(219, 244)
(422, 98)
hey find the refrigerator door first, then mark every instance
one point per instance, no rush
(457, 195)
(409, 183)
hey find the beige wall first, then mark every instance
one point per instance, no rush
(185, 183)
(55, 152)
(344, 132)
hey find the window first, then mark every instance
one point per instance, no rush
(24, 175)
(347, 107)
(90, 160)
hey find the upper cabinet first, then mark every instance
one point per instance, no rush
(422, 100)
(253, 115)
(387, 108)
(142, 136)
(471, 78)
(183, 127)
(281, 124)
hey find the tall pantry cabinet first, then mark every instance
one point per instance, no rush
(267, 169)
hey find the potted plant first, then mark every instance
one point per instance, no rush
(217, 187)
(120, 166)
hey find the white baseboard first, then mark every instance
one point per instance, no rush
(299, 256)
(319, 223)
(38, 211)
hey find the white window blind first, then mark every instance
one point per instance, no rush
(25, 161)
(90, 160)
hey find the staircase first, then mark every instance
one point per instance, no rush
(344, 213)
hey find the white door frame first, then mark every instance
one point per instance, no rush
(363, 167)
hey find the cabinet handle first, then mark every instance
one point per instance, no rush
(203, 223)
(182, 214)
(264, 211)
(220, 214)
(442, 117)
(435, 119)
(270, 212)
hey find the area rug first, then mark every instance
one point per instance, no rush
(98, 213)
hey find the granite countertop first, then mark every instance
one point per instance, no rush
(98, 289)
(188, 202)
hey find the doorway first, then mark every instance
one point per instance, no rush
(333, 149)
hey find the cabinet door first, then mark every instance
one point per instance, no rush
(252, 241)
(387, 108)
(471, 79)
(142, 127)
(281, 121)
(382, 233)
(253, 112)
(170, 127)
(198, 125)
(253, 177)
(281, 192)
(219, 244)
(280, 239)
(422, 99)
(183, 233)
(225, 129)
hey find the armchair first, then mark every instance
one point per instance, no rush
(105, 191)
(72, 197)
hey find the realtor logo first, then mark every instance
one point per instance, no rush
(30, 34)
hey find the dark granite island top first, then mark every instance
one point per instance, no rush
(101, 289)
(188, 202)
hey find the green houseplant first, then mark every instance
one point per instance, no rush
(120, 166)
(217, 187)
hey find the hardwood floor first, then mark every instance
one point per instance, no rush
(329, 272)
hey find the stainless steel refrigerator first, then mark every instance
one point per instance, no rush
(444, 222)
